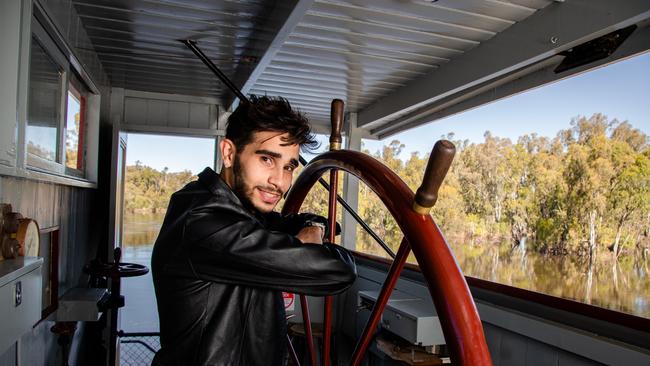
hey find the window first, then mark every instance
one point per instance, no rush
(75, 128)
(56, 131)
(45, 108)
(372, 210)
(549, 190)
(156, 167)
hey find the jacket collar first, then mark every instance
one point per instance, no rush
(217, 186)
(213, 182)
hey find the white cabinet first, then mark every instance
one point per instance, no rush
(20, 298)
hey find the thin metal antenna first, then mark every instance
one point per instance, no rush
(191, 44)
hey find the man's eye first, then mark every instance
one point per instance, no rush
(266, 160)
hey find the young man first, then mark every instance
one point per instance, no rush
(223, 256)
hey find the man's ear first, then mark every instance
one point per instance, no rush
(228, 151)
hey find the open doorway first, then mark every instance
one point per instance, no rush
(156, 167)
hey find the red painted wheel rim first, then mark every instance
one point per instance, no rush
(455, 307)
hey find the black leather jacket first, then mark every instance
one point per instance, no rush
(218, 270)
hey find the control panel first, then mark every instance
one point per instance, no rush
(408, 316)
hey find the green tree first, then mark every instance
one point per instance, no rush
(148, 190)
(588, 171)
(629, 199)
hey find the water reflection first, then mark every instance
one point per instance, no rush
(620, 285)
(141, 230)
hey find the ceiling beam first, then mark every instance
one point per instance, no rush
(520, 81)
(546, 33)
(292, 20)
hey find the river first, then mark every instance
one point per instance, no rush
(140, 313)
(622, 285)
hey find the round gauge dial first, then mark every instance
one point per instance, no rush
(28, 236)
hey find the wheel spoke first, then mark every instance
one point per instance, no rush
(306, 322)
(335, 144)
(382, 299)
(331, 217)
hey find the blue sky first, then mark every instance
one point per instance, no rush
(620, 90)
(176, 153)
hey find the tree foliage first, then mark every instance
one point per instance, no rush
(585, 190)
(148, 190)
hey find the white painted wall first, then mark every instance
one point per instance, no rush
(174, 114)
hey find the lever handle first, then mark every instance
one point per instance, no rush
(117, 255)
(439, 162)
(337, 124)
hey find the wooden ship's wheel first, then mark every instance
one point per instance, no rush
(449, 291)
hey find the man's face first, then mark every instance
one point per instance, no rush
(263, 171)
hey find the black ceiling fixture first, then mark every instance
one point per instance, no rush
(593, 50)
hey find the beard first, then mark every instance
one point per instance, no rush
(240, 188)
(244, 191)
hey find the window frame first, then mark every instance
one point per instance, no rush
(80, 96)
(32, 161)
(42, 30)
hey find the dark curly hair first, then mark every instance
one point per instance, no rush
(264, 113)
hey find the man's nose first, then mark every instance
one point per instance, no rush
(275, 178)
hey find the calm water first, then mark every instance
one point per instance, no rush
(622, 285)
(140, 313)
(141, 229)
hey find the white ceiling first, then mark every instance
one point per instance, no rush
(397, 63)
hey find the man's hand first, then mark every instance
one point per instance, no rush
(311, 234)
(316, 220)
(293, 223)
